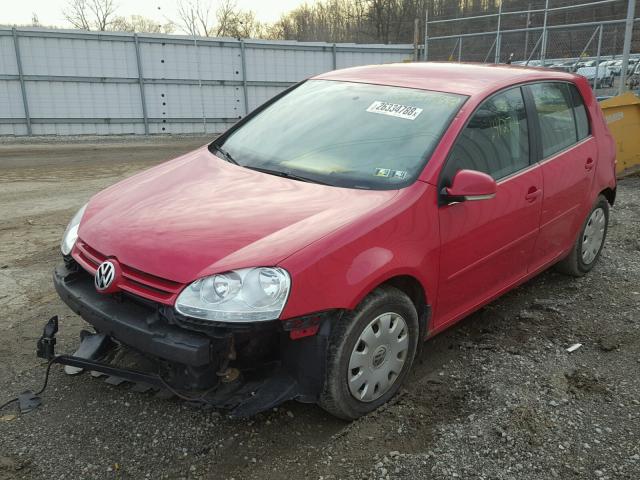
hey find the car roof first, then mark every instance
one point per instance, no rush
(460, 78)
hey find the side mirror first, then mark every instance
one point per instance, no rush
(469, 185)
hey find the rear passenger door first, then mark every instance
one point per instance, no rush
(568, 155)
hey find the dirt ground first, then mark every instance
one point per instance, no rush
(496, 397)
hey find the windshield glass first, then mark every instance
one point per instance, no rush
(345, 134)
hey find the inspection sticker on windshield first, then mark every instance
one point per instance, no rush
(395, 110)
(387, 172)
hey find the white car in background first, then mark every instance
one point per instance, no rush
(605, 76)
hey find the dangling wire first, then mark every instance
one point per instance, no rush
(46, 382)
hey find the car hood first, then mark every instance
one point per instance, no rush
(198, 215)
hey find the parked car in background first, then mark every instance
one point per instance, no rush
(633, 81)
(607, 64)
(585, 63)
(605, 77)
(616, 67)
(307, 252)
(562, 67)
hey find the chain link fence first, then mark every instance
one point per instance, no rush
(547, 34)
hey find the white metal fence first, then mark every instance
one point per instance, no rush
(57, 82)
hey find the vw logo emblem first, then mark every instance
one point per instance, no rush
(105, 275)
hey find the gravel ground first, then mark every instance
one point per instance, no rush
(496, 397)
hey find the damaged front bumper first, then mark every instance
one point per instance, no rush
(246, 368)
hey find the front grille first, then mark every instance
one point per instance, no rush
(132, 280)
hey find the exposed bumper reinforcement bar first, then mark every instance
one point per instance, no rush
(259, 390)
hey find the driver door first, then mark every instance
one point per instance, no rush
(486, 245)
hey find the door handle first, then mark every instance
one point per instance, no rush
(533, 194)
(589, 164)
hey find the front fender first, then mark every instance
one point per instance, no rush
(338, 271)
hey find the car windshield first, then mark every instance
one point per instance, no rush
(345, 134)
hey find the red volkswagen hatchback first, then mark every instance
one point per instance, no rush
(307, 251)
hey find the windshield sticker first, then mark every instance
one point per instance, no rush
(387, 172)
(395, 110)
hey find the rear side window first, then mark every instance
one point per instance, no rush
(555, 113)
(496, 139)
(582, 121)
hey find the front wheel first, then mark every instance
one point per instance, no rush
(370, 354)
(588, 246)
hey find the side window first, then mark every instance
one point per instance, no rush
(496, 139)
(582, 121)
(557, 125)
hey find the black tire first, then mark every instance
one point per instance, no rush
(336, 397)
(573, 264)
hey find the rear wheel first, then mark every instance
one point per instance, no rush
(370, 354)
(588, 245)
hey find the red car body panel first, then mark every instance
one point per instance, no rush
(198, 215)
(486, 245)
(400, 239)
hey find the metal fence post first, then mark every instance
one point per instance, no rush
(586, 47)
(244, 77)
(526, 33)
(416, 39)
(23, 87)
(204, 116)
(486, 58)
(143, 98)
(453, 51)
(460, 51)
(595, 79)
(334, 55)
(426, 34)
(626, 49)
(535, 47)
(497, 57)
(543, 47)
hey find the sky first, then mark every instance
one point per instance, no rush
(50, 11)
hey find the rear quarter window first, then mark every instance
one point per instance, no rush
(582, 120)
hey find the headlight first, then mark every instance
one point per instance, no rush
(71, 233)
(246, 295)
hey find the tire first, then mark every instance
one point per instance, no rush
(577, 263)
(389, 307)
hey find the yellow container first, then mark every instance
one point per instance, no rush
(623, 118)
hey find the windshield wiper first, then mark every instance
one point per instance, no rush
(292, 176)
(227, 156)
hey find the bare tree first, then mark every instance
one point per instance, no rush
(226, 17)
(90, 14)
(140, 24)
(76, 14)
(246, 25)
(103, 12)
(194, 17)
